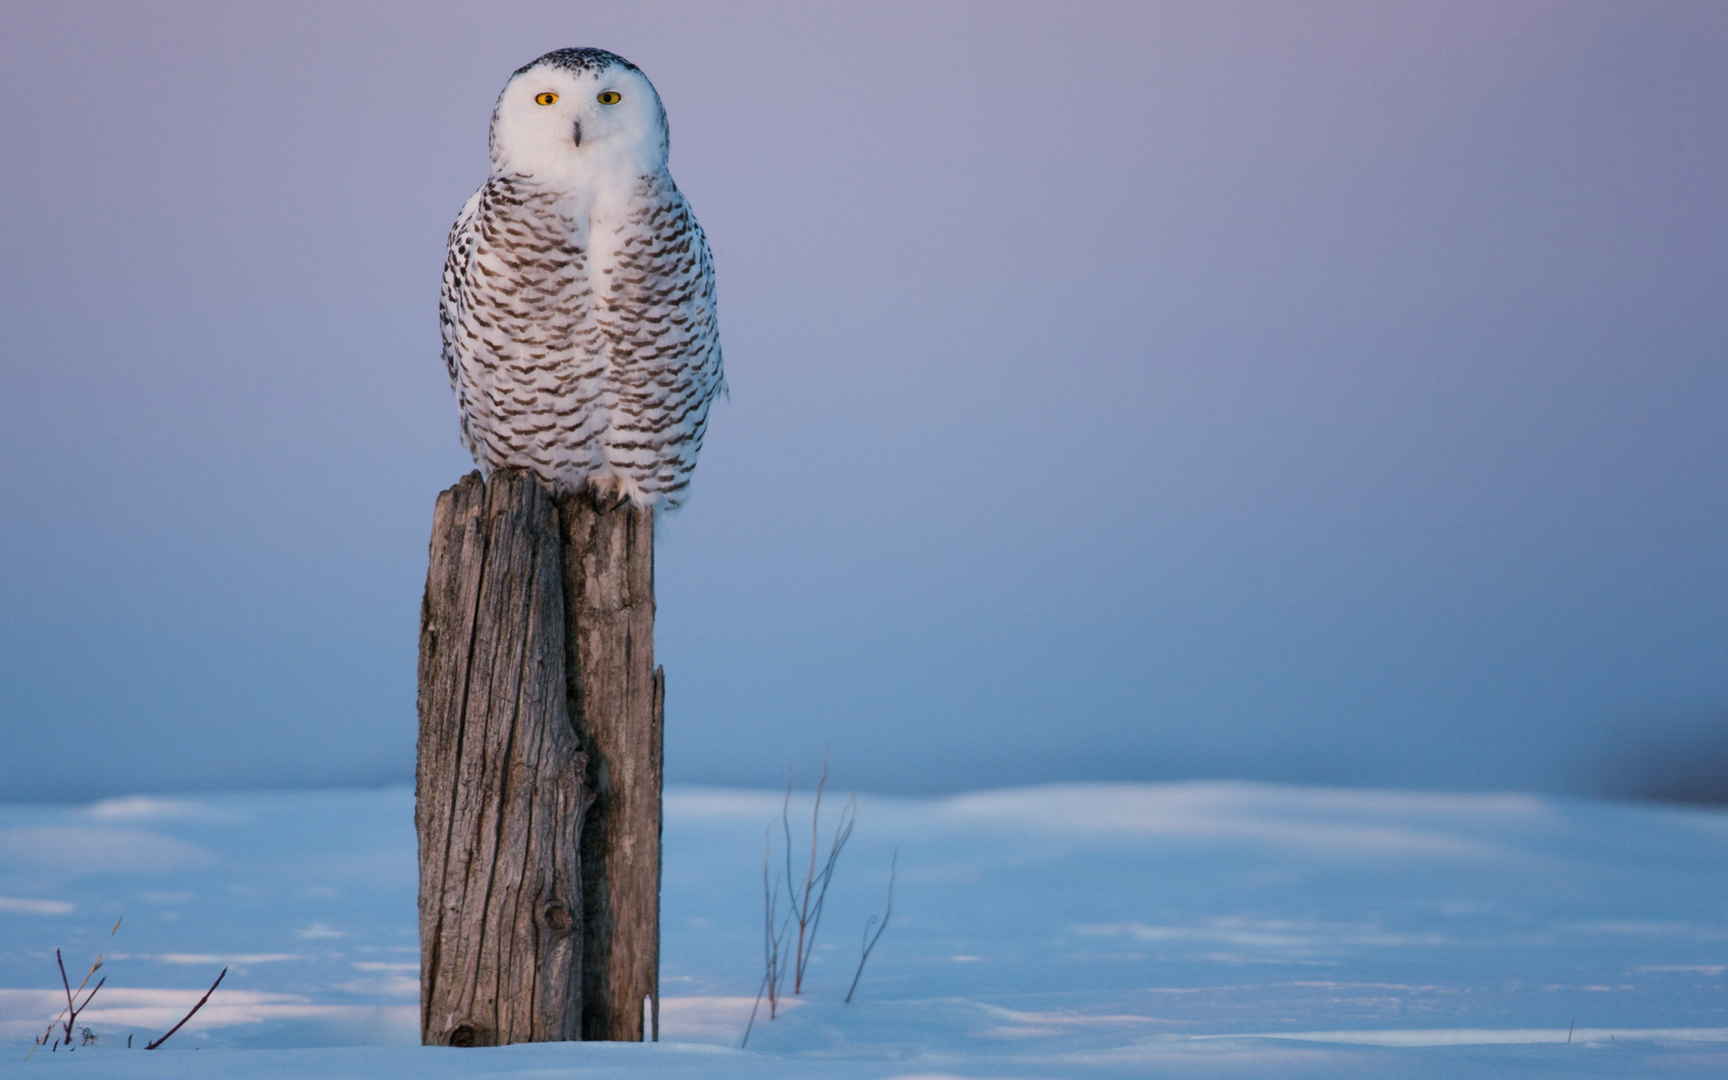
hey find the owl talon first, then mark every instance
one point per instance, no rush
(607, 493)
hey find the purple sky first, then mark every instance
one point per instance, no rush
(1320, 392)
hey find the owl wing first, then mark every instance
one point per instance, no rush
(452, 296)
(664, 335)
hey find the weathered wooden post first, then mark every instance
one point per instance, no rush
(537, 794)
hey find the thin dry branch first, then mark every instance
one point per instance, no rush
(773, 941)
(65, 984)
(818, 875)
(100, 983)
(189, 1015)
(870, 939)
(72, 1010)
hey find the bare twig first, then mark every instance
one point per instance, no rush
(772, 941)
(776, 960)
(807, 907)
(870, 939)
(71, 1010)
(750, 1024)
(848, 818)
(188, 1016)
(100, 983)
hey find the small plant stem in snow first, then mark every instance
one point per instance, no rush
(72, 1010)
(773, 939)
(71, 1013)
(188, 1016)
(807, 908)
(870, 939)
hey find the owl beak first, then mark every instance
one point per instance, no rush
(577, 133)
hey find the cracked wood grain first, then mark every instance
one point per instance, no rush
(537, 791)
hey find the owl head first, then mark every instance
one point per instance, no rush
(578, 112)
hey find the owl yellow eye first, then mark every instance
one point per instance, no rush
(609, 97)
(546, 97)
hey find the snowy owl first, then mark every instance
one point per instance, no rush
(578, 300)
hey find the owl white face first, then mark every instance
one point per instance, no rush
(567, 121)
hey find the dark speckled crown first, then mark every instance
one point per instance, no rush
(592, 61)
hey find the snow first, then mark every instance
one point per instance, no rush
(1205, 929)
